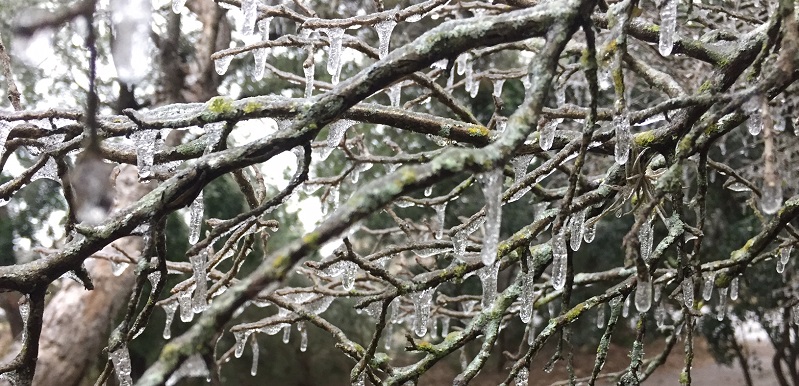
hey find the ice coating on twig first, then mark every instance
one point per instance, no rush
(337, 130)
(154, 278)
(309, 78)
(145, 142)
(120, 358)
(348, 275)
(520, 164)
(196, 218)
(384, 29)
(421, 307)
(491, 182)
(488, 278)
(559, 259)
(48, 171)
(199, 301)
(170, 309)
(668, 26)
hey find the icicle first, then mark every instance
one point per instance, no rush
(199, 302)
(186, 309)
(309, 78)
(643, 296)
(547, 134)
(488, 278)
(625, 310)
(259, 54)
(589, 233)
(48, 171)
(178, 5)
(444, 326)
(688, 292)
(471, 85)
(336, 36)
(645, 238)
(348, 276)
(196, 218)
(336, 132)
(785, 254)
(600, 315)
(577, 224)
(461, 61)
(491, 182)
(459, 245)
(250, 10)
(169, 309)
(722, 304)
(668, 26)
(287, 334)
(120, 358)
(526, 298)
(707, 290)
(221, 64)
(780, 267)
(421, 306)
(771, 198)
(130, 26)
(752, 107)
(241, 339)
(521, 377)
(520, 164)
(255, 354)
(441, 210)
(734, 288)
(145, 141)
(303, 336)
(660, 315)
(384, 29)
(394, 94)
(559, 259)
(498, 83)
(621, 125)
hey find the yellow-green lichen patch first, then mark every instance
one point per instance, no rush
(644, 139)
(311, 240)
(252, 107)
(220, 105)
(477, 131)
(574, 313)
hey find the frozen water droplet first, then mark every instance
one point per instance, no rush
(336, 35)
(178, 5)
(186, 311)
(707, 289)
(221, 64)
(491, 183)
(785, 254)
(196, 218)
(547, 134)
(734, 288)
(589, 233)
(421, 306)
(303, 336)
(170, 309)
(384, 29)
(199, 301)
(780, 267)
(600, 315)
(250, 10)
(771, 198)
(753, 108)
(145, 142)
(337, 130)
(120, 358)
(643, 296)
(130, 26)
(241, 339)
(521, 378)
(688, 292)
(559, 259)
(498, 83)
(348, 275)
(488, 278)
(577, 223)
(621, 125)
(441, 210)
(668, 26)
(255, 354)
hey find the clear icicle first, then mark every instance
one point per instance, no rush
(444, 326)
(526, 298)
(309, 78)
(600, 315)
(780, 267)
(498, 83)
(421, 306)
(303, 336)
(196, 218)
(178, 5)
(337, 130)
(250, 10)
(488, 278)
(255, 354)
(559, 259)
(120, 358)
(384, 29)
(491, 182)
(186, 309)
(154, 278)
(395, 94)
(752, 107)
(169, 309)
(668, 26)
(441, 210)
(645, 238)
(241, 339)
(48, 171)
(785, 254)
(459, 244)
(521, 377)
(130, 26)
(771, 198)
(707, 289)
(625, 309)
(547, 134)
(336, 36)
(460, 62)
(348, 275)
(259, 55)
(643, 296)
(722, 303)
(520, 164)
(688, 292)
(577, 223)
(428, 191)
(589, 233)
(199, 301)
(145, 141)
(734, 288)
(621, 125)
(287, 334)
(221, 65)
